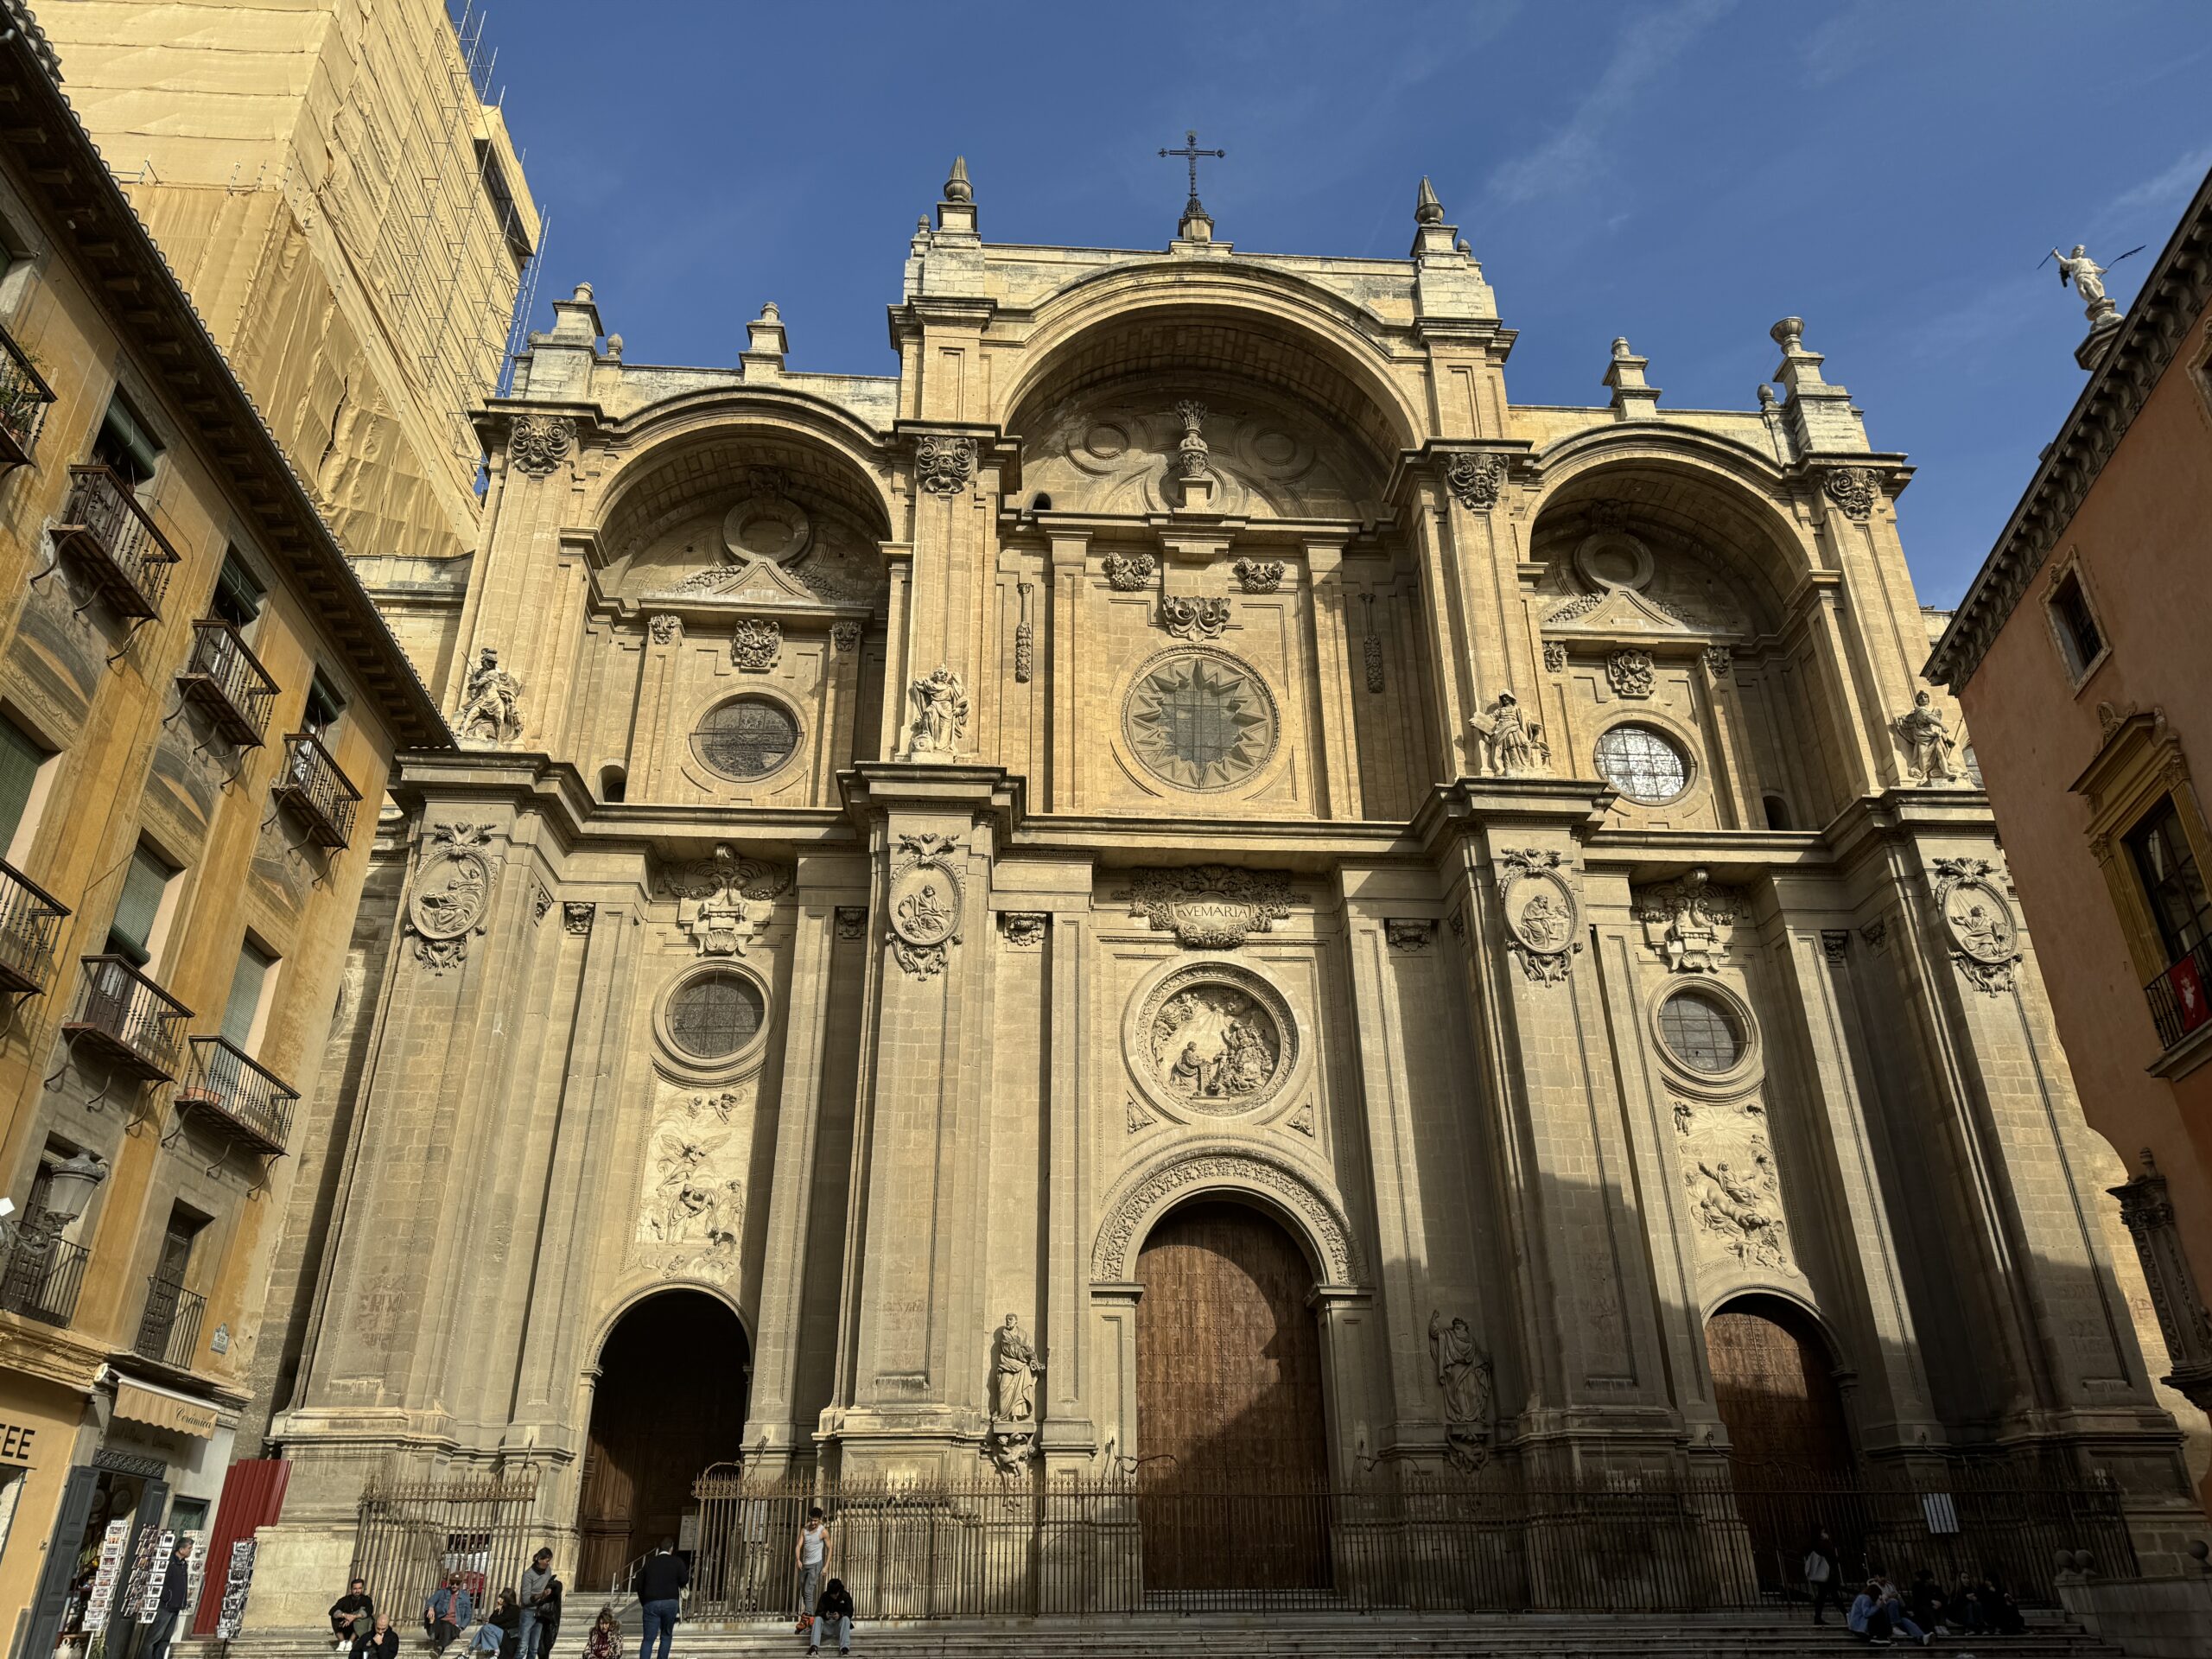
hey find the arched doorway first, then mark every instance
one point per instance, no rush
(1774, 1385)
(672, 1386)
(1229, 1405)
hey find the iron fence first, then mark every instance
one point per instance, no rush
(227, 680)
(413, 1534)
(129, 1020)
(1497, 1542)
(31, 921)
(237, 1094)
(24, 399)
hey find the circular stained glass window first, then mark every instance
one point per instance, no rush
(715, 1015)
(1200, 720)
(1643, 763)
(746, 737)
(1701, 1032)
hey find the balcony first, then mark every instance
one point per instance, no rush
(2181, 997)
(31, 920)
(235, 1095)
(104, 530)
(41, 1275)
(128, 1020)
(24, 396)
(169, 1331)
(228, 682)
(313, 788)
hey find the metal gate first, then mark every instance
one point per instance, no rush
(414, 1533)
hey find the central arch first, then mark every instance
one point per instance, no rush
(674, 1375)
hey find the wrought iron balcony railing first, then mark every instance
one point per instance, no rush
(310, 783)
(2181, 997)
(108, 533)
(237, 1095)
(129, 1021)
(24, 397)
(169, 1331)
(42, 1275)
(31, 921)
(228, 682)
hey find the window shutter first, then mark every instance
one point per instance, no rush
(20, 759)
(245, 996)
(140, 904)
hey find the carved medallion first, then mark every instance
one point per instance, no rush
(1475, 481)
(757, 643)
(1209, 907)
(1542, 916)
(1214, 1038)
(1978, 922)
(1630, 673)
(1200, 720)
(925, 905)
(539, 443)
(942, 465)
(451, 888)
(766, 524)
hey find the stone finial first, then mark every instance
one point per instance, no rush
(614, 347)
(955, 213)
(1633, 399)
(1788, 334)
(576, 320)
(766, 342)
(957, 187)
(1821, 417)
(1428, 210)
(583, 294)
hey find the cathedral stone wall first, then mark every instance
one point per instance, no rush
(1189, 738)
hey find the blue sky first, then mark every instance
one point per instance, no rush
(1683, 173)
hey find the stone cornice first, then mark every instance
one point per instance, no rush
(2172, 298)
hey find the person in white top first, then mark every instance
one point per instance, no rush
(812, 1553)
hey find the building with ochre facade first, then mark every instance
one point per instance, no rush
(1181, 884)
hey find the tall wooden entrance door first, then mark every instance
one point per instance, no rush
(1774, 1385)
(1229, 1406)
(671, 1399)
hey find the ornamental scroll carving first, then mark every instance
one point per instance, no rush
(1229, 1169)
(1259, 575)
(1209, 907)
(539, 443)
(1475, 481)
(1197, 617)
(724, 903)
(453, 888)
(1729, 1180)
(942, 465)
(1128, 573)
(1025, 639)
(1688, 923)
(1543, 919)
(1632, 673)
(925, 904)
(756, 643)
(1977, 922)
(1852, 488)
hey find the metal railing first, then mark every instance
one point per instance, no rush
(111, 535)
(42, 1275)
(1497, 1542)
(24, 398)
(2181, 997)
(30, 922)
(227, 680)
(310, 783)
(169, 1331)
(125, 1017)
(413, 1534)
(237, 1094)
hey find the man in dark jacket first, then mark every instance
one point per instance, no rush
(351, 1614)
(378, 1640)
(176, 1591)
(660, 1591)
(834, 1614)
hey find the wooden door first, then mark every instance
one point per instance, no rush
(1773, 1383)
(1229, 1406)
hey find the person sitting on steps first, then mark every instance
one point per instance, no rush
(834, 1614)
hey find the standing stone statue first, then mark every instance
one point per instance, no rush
(1014, 1363)
(940, 712)
(492, 708)
(1512, 746)
(1463, 1371)
(2088, 278)
(1928, 741)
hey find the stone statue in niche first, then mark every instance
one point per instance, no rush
(1464, 1374)
(1513, 746)
(1015, 1369)
(940, 717)
(1213, 1043)
(1927, 742)
(491, 709)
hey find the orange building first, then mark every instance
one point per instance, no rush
(2079, 655)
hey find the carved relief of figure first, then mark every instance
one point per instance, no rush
(1731, 1209)
(683, 1193)
(1983, 933)
(1464, 1372)
(723, 924)
(1513, 746)
(1013, 1363)
(459, 899)
(940, 712)
(1544, 922)
(491, 710)
(1211, 1044)
(1928, 743)
(924, 914)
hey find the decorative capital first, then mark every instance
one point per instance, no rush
(539, 443)
(1852, 489)
(942, 465)
(1475, 481)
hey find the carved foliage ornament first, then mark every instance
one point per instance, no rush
(667, 629)
(1630, 673)
(1128, 573)
(724, 903)
(1023, 929)
(452, 889)
(757, 643)
(1408, 934)
(1475, 481)
(844, 637)
(1230, 1170)
(1977, 922)
(1259, 575)
(1543, 918)
(1556, 656)
(1852, 488)
(539, 443)
(1025, 639)
(1197, 617)
(925, 903)
(1686, 923)
(1209, 907)
(942, 465)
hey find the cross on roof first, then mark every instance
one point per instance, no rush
(1191, 153)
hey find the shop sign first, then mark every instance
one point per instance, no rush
(15, 1442)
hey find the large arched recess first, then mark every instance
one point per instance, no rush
(675, 1373)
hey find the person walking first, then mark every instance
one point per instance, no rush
(176, 1590)
(351, 1614)
(834, 1614)
(1823, 1574)
(604, 1639)
(536, 1578)
(660, 1596)
(812, 1554)
(446, 1613)
(378, 1641)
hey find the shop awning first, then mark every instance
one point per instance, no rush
(160, 1408)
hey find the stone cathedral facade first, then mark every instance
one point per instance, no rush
(1182, 873)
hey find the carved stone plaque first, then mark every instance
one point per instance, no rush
(1213, 1039)
(1542, 915)
(451, 890)
(1209, 907)
(924, 913)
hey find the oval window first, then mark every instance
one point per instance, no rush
(746, 737)
(715, 1015)
(1643, 763)
(1702, 1032)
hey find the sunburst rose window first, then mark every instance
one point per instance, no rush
(1643, 763)
(1200, 720)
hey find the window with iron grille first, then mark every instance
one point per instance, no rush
(1643, 763)
(746, 737)
(1701, 1032)
(715, 1015)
